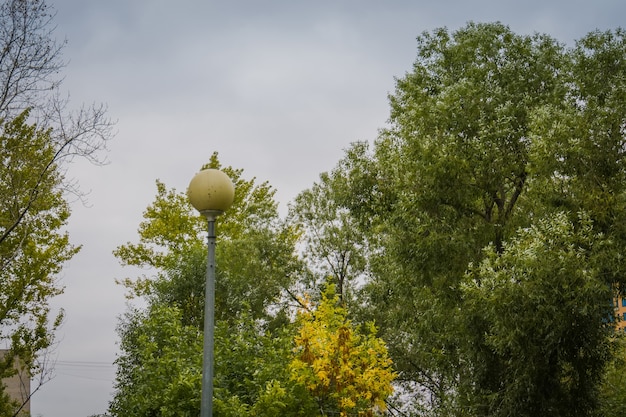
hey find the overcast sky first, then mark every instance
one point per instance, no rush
(278, 88)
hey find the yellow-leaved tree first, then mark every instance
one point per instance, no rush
(348, 372)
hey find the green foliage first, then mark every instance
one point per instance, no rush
(491, 134)
(537, 323)
(578, 147)
(255, 263)
(255, 255)
(33, 187)
(252, 369)
(458, 145)
(330, 240)
(486, 223)
(170, 230)
(33, 244)
(613, 388)
(160, 371)
(447, 178)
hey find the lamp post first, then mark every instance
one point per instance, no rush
(211, 192)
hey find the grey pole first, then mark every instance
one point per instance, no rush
(210, 192)
(206, 405)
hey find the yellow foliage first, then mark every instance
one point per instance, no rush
(344, 370)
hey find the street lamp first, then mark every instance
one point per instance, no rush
(211, 192)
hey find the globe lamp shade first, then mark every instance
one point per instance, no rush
(211, 190)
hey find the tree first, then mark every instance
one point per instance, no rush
(346, 371)
(613, 388)
(30, 59)
(579, 160)
(30, 65)
(38, 136)
(255, 252)
(490, 133)
(331, 242)
(255, 264)
(33, 248)
(448, 178)
(160, 370)
(541, 306)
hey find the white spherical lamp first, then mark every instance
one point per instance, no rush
(211, 192)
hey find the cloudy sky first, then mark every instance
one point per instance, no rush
(278, 88)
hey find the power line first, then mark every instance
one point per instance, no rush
(91, 378)
(89, 370)
(84, 364)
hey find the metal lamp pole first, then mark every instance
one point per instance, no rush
(211, 192)
(206, 405)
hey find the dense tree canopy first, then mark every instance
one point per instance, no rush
(613, 389)
(255, 264)
(483, 233)
(491, 134)
(254, 243)
(257, 275)
(536, 317)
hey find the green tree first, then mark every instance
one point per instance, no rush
(160, 370)
(39, 136)
(447, 178)
(252, 371)
(255, 251)
(578, 155)
(331, 244)
(255, 264)
(541, 307)
(33, 245)
(490, 133)
(613, 388)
